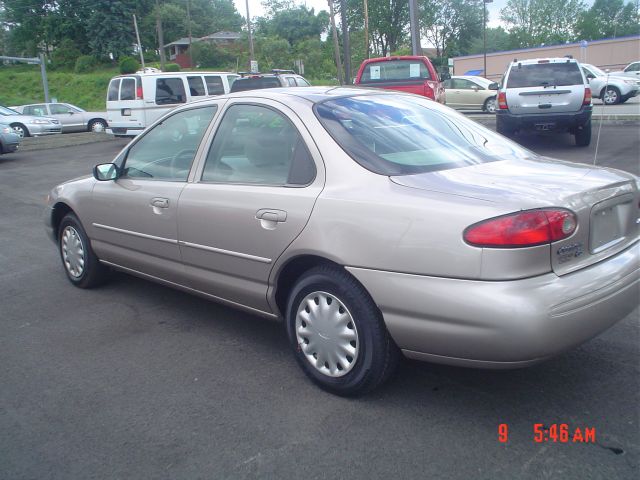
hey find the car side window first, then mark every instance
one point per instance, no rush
(291, 81)
(57, 108)
(302, 82)
(170, 91)
(37, 110)
(128, 89)
(447, 83)
(196, 86)
(634, 67)
(214, 85)
(258, 145)
(167, 151)
(462, 84)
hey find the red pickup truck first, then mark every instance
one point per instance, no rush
(412, 74)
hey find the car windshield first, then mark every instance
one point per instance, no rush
(596, 70)
(543, 74)
(7, 111)
(403, 135)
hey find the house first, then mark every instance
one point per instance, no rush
(179, 49)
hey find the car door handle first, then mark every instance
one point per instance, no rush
(271, 215)
(160, 202)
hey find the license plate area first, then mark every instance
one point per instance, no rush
(609, 223)
(543, 127)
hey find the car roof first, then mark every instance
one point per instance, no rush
(475, 78)
(531, 61)
(160, 74)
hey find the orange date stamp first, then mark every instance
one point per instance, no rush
(553, 433)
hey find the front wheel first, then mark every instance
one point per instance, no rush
(583, 135)
(337, 333)
(610, 96)
(80, 263)
(20, 130)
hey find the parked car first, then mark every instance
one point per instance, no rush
(9, 140)
(545, 94)
(610, 88)
(275, 79)
(632, 70)
(471, 93)
(136, 101)
(28, 125)
(411, 74)
(72, 118)
(369, 222)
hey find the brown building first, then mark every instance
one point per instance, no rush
(179, 49)
(612, 53)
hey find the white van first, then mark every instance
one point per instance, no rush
(136, 101)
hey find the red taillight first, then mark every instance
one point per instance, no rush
(587, 96)
(139, 92)
(522, 229)
(502, 101)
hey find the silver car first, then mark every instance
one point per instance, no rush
(28, 125)
(372, 223)
(72, 118)
(609, 88)
(9, 140)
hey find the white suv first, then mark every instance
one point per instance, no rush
(610, 88)
(546, 94)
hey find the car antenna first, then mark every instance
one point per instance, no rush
(606, 85)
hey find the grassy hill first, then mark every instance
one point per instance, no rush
(22, 84)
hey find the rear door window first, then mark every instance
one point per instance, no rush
(395, 70)
(544, 74)
(302, 82)
(128, 89)
(114, 87)
(196, 86)
(37, 110)
(214, 85)
(170, 91)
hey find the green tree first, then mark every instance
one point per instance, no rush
(294, 24)
(609, 18)
(451, 25)
(273, 52)
(498, 40)
(536, 22)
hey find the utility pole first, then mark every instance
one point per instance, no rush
(135, 24)
(251, 52)
(189, 20)
(345, 42)
(416, 49)
(336, 45)
(163, 57)
(366, 27)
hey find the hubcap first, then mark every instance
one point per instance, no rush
(327, 334)
(610, 96)
(97, 127)
(72, 252)
(19, 131)
(491, 106)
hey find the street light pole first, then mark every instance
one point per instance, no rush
(484, 34)
(414, 27)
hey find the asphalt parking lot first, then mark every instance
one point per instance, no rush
(135, 380)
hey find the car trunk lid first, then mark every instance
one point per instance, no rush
(605, 201)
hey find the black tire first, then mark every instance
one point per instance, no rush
(610, 95)
(21, 130)
(490, 105)
(377, 355)
(502, 129)
(583, 135)
(98, 124)
(93, 272)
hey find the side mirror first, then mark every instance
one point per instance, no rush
(494, 86)
(475, 88)
(445, 76)
(590, 76)
(105, 172)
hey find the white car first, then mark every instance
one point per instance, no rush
(610, 88)
(72, 118)
(632, 70)
(471, 93)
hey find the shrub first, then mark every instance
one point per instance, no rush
(172, 67)
(128, 65)
(85, 64)
(65, 55)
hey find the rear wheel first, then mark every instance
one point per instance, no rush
(80, 263)
(97, 126)
(490, 105)
(583, 135)
(337, 333)
(610, 95)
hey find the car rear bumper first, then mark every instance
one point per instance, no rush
(503, 324)
(544, 121)
(125, 131)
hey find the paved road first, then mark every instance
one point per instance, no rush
(135, 380)
(630, 107)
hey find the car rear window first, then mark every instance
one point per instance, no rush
(404, 135)
(537, 74)
(251, 83)
(128, 89)
(395, 70)
(114, 87)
